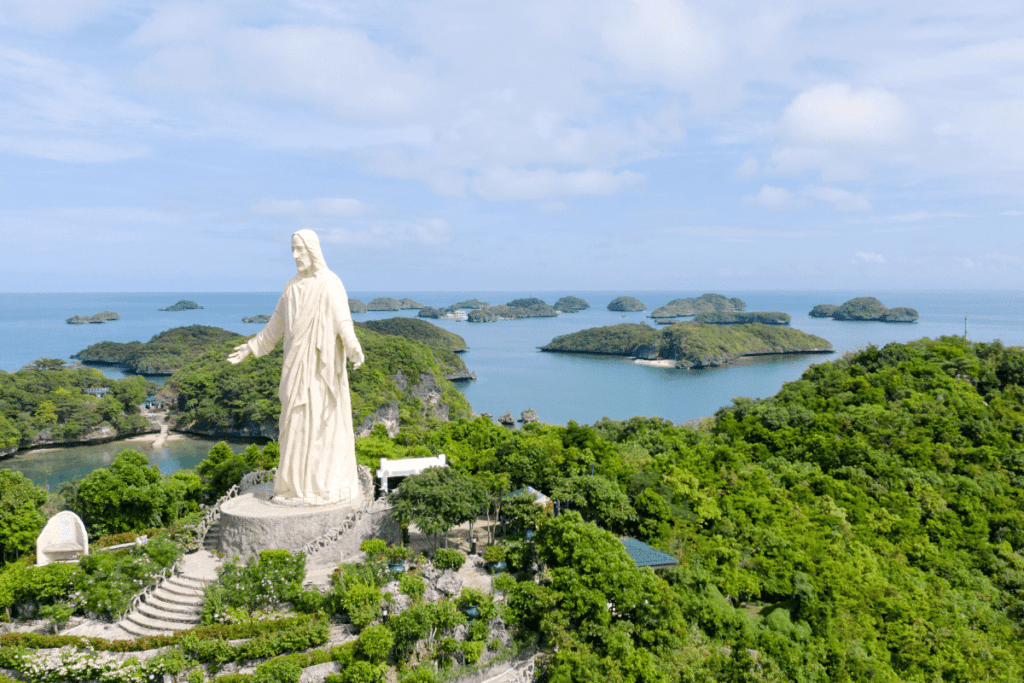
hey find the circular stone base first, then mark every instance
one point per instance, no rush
(250, 523)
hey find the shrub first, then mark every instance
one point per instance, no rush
(362, 603)
(446, 558)
(309, 601)
(274, 576)
(279, 670)
(494, 553)
(471, 651)
(373, 546)
(412, 586)
(478, 631)
(374, 643)
(423, 674)
(503, 582)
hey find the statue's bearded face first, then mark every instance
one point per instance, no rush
(303, 261)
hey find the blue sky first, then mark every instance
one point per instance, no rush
(550, 144)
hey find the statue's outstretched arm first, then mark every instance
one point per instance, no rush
(264, 342)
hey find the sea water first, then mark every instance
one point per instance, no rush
(512, 374)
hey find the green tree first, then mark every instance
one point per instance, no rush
(20, 518)
(437, 500)
(127, 496)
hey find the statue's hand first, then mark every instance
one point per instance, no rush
(358, 360)
(241, 353)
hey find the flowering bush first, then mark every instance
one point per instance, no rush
(273, 577)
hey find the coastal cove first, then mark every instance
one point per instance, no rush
(512, 374)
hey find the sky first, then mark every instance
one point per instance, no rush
(540, 144)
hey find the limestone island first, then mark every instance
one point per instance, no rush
(102, 317)
(183, 305)
(387, 303)
(356, 306)
(626, 304)
(571, 304)
(164, 354)
(261, 318)
(865, 308)
(705, 303)
(738, 318)
(454, 311)
(689, 344)
(517, 308)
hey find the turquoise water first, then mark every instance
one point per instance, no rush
(53, 466)
(511, 373)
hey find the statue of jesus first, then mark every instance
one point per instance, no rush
(318, 459)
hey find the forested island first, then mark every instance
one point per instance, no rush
(689, 344)
(386, 303)
(626, 304)
(444, 344)
(865, 308)
(96, 318)
(356, 306)
(530, 307)
(705, 303)
(164, 354)
(183, 305)
(865, 523)
(571, 304)
(738, 318)
(261, 318)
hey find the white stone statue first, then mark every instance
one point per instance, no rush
(63, 539)
(318, 458)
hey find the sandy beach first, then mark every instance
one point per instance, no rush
(655, 363)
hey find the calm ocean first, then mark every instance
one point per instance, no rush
(511, 373)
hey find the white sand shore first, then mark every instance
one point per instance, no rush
(655, 363)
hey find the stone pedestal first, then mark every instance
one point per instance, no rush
(251, 523)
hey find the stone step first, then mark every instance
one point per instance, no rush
(156, 611)
(159, 625)
(136, 630)
(192, 601)
(185, 590)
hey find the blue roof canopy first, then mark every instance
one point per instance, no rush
(646, 556)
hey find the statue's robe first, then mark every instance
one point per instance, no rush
(318, 459)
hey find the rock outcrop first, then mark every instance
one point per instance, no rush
(529, 415)
(507, 419)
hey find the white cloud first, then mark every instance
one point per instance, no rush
(670, 42)
(500, 184)
(840, 199)
(51, 15)
(62, 111)
(774, 199)
(280, 208)
(837, 114)
(747, 169)
(314, 211)
(340, 207)
(868, 257)
(387, 235)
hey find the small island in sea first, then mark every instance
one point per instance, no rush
(705, 303)
(626, 304)
(741, 318)
(517, 308)
(689, 344)
(865, 308)
(453, 310)
(164, 354)
(386, 303)
(183, 305)
(261, 318)
(356, 306)
(571, 304)
(101, 317)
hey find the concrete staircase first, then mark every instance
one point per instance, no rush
(212, 540)
(177, 602)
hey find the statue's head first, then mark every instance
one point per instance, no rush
(306, 252)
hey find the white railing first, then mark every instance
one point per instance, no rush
(159, 578)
